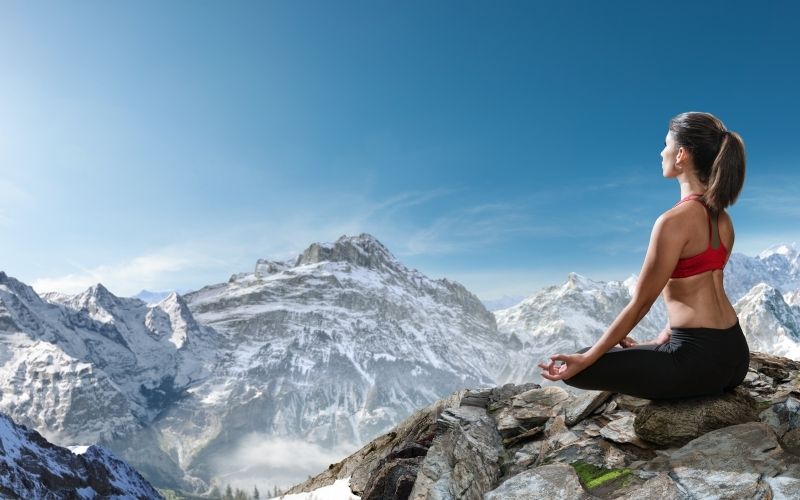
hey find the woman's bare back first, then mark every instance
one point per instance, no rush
(700, 300)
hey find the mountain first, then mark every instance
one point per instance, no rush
(323, 351)
(96, 368)
(330, 348)
(770, 324)
(777, 266)
(32, 467)
(566, 318)
(312, 356)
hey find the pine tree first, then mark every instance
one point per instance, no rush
(215, 493)
(240, 495)
(228, 493)
(256, 496)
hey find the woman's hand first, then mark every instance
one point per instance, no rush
(663, 337)
(573, 364)
(628, 342)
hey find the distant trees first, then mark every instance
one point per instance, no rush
(238, 494)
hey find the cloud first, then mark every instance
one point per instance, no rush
(266, 461)
(149, 271)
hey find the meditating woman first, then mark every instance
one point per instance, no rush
(703, 350)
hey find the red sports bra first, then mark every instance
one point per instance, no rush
(711, 258)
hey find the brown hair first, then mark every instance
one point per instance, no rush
(718, 153)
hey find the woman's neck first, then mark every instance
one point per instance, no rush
(692, 186)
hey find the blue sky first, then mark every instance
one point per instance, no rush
(500, 144)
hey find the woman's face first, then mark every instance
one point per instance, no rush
(668, 157)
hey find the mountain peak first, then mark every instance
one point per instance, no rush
(101, 292)
(575, 280)
(363, 250)
(788, 250)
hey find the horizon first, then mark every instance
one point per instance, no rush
(486, 301)
(154, 146)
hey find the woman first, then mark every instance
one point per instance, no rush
(705, 351)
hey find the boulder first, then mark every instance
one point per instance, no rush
(547, 481)
(676, 422)
(783, 416)
(463, 462)
(584, 405)
(738, 461)
(621, 430)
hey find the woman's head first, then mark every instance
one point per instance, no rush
(717, 154)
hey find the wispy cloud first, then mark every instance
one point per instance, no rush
(150, 271)
(281, 461)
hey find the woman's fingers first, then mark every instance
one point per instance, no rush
(552, 370)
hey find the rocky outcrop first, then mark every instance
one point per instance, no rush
(32, 467)
(528, 441)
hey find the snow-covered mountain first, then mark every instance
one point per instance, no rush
(331, 348)
(777, 266)
(95, 368)
(31, 467)
(770, 324)
(566, 318)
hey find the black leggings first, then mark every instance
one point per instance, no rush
(695, 362)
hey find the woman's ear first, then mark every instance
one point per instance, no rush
(682, 155)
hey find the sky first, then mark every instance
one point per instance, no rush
(169, 145)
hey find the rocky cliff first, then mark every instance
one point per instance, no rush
(32, 467)
(529, 441)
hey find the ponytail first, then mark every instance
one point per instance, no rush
(727, 173)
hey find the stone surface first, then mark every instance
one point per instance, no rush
(791, 441)
(621, 431)
(733, 461)
(783, 416)
(660, 487)
(547, 481)
(677, 422)
(583, 405)
(464, 461)
(631, 403)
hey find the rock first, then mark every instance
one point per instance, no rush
(631, 403)
(738, 461)
(621, 431)
(550, 397)
(479, 397)
(791, 441)
(364, 466)
(776, 367)
(547, 481)
(583, 405)
(529, 434)
(676, 422)
(782, 417)
(464, 461)
(394, 479)
(660, 486)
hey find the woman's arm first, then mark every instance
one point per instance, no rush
(666, 242)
